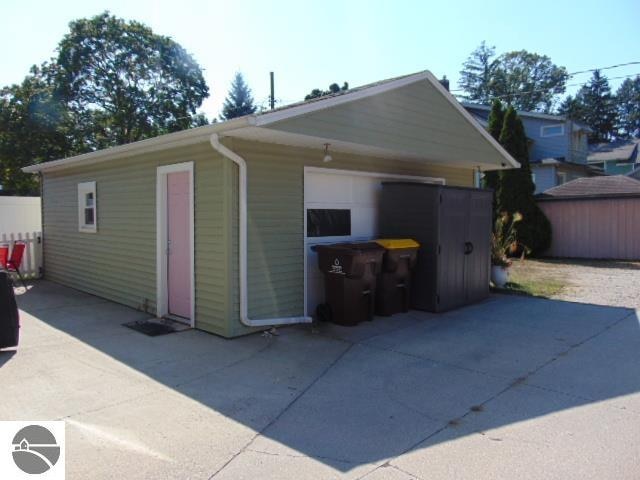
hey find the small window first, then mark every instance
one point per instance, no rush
(87, 207)
(552, 130)
(562, 178)
(328, 222)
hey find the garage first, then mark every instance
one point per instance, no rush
(340, 206)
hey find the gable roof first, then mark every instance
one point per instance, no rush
(606, 186)
(270, 126)
(617, 150)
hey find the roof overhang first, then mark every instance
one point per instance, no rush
(448, 134)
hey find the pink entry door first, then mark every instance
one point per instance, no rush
(178, 245)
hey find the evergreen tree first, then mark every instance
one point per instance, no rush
(477, 74)
(628, 104)
(516, 188)
(495, 121)
(239, 101)
(594, 106)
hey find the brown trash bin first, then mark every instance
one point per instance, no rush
(350, 272)
(393, 294)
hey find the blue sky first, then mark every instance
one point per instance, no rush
(311, 44)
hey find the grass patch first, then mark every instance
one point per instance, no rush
(536, 288)
(532, 278)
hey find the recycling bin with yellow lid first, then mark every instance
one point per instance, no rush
(393, 292)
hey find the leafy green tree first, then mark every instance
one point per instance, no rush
(526, 80)
(516, 188)
(239, 101)
(476, 76)
(628, 104)
(34, 127)
(333, 89)
(123, 83)
(594, 105)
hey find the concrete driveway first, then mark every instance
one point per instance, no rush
(514, 387)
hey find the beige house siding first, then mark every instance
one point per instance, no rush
(119, 261)
(276, 219)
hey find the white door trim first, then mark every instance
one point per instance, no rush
(334, 171)
(162, 297)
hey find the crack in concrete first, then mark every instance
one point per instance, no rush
(518, 381)
(285, 409)
(313, 457)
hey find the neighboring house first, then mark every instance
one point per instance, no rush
(209, 225)
(597, 217)
(615, 158)
(557, 146)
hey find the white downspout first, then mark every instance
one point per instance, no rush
(242, 231)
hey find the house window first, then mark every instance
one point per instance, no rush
(562, 178)
(552, 130)
(87, 213)
(324, 222)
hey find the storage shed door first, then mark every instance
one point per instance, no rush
(338, 207)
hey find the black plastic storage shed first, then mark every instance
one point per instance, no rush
(453, 227)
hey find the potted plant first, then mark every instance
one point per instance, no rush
(503, 242)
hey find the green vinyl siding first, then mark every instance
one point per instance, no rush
(415, 119)
(276, 219)
(119, 261)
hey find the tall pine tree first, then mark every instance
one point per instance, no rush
(628, 101)
(516, 188)
(495, 121)
(594, 106)
(239, 101)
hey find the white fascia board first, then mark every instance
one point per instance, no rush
(177, 139)
(463, 111)
(304, 108)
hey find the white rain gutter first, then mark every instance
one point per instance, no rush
(242, 220)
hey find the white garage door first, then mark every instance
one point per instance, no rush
(340, 206)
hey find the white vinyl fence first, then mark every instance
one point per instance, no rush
(20, 221)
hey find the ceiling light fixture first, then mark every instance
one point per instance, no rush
(327, 157)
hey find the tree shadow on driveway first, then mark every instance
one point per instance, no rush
(353, 400)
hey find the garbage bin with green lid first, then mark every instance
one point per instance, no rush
(350, 274)
(394, 283)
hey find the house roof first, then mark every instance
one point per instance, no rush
(447, 132)
(634, 174)
(607, 186)
(617, 150)
(524, 113)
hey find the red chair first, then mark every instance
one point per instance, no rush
(4, 256)
(14, 262)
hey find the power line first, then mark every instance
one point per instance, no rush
(538, 90)
(572, 74)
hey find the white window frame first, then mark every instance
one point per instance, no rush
(563, 176)
(533, 177)
(545, 127)
(85, 188)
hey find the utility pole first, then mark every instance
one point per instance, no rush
(272, 99)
